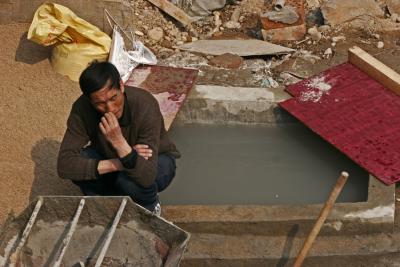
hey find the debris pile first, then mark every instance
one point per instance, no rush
(319, 31)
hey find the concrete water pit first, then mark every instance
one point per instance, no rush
(90, 231)
(247, 187)
(261, 181)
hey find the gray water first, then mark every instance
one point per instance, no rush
(285, 164)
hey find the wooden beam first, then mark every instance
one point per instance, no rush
(374, 68)
(173, 11)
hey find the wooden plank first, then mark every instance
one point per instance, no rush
(374, 68)
(173, 11)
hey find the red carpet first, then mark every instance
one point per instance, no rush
(354, 113)
(170, 86)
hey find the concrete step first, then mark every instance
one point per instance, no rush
(211, 104)
(249, 250)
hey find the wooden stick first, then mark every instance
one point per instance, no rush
(374, 68)
(173, 11)
(71, 230)
(110, 233)
(27, 230)
(321, 219)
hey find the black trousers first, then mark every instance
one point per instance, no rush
(119, 184)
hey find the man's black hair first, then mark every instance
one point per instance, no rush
(96, 76)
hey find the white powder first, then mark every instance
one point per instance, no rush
(317, 88)
(313, 96)
(319, 83)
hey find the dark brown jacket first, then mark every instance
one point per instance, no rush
(141, 123)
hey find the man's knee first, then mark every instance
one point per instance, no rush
(128, 186)
(144, 196)
(165, 171)
(166, 164)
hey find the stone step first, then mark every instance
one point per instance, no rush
(374, 216)
(249, 250)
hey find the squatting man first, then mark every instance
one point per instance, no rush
(116, 142)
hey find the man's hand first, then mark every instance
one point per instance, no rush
(143, 150)
(110, 128)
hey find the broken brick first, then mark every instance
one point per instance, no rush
(278, 31)
(227, 60)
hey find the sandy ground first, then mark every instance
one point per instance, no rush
(35, 102)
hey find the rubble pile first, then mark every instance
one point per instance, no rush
(327, 30)
(157, 31)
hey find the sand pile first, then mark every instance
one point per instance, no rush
(35, 103)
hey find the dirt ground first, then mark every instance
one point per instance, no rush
(34, 108)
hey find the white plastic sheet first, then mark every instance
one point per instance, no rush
(126, 61)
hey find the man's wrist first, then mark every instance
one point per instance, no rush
(109, 165)
(123, 149)
(129, 161)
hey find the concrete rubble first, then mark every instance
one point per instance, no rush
(228, 61)
(338, 11)
(239, 47)
(393, 6)
(287, 15)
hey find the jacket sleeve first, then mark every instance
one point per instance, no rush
(70, 163)
(145, 171)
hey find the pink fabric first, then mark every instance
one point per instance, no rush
(354, 113)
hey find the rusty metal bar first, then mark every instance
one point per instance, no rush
(110, 233)
(14, 256)
(71, 231)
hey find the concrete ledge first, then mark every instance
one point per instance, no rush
(247, 250)
(210, 104)
(376, 215)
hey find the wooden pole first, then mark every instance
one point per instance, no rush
(321, 219)
(173, 11)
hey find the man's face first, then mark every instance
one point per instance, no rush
(109, 99)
